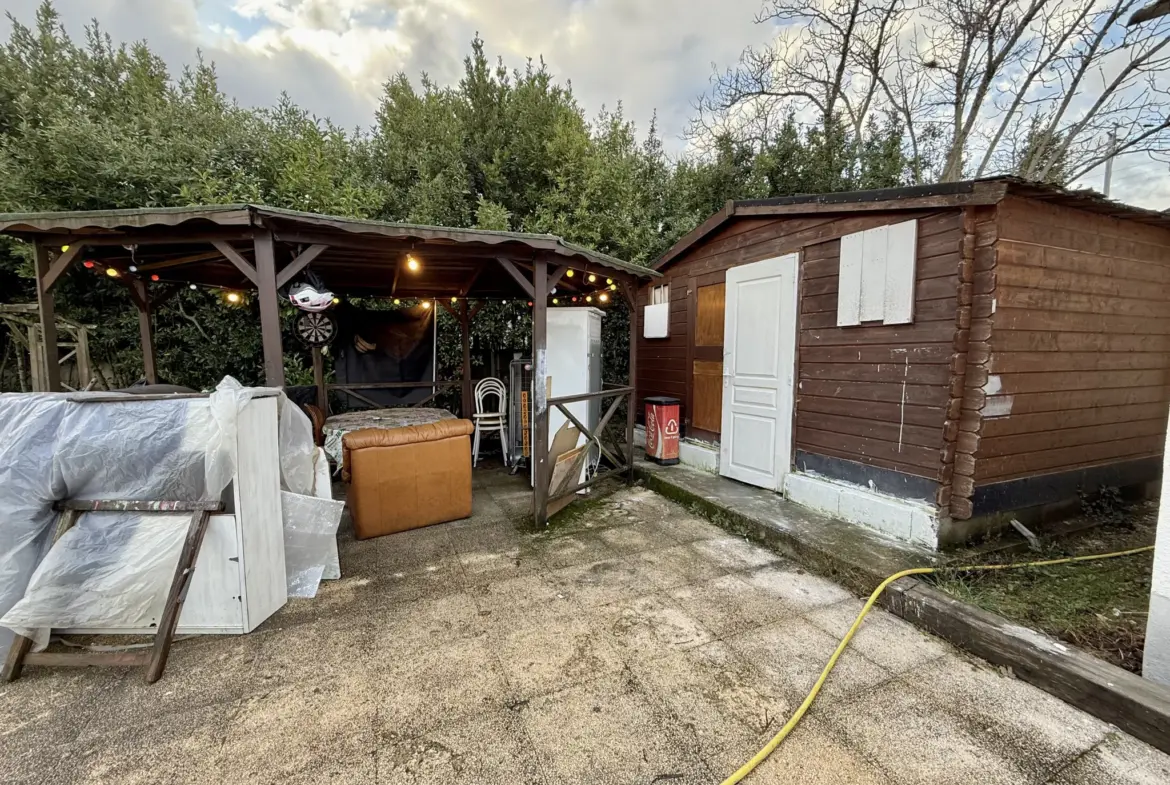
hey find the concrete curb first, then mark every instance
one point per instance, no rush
(1139, 707)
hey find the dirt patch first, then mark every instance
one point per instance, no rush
(1100, 607)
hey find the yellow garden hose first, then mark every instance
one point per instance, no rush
(760, 756)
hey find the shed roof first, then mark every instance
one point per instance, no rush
(986, 191)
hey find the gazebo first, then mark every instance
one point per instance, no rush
(154, 251)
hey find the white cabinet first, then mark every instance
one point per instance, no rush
(239, 578)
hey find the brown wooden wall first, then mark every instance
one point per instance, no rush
(876, 395)
(1078, 361)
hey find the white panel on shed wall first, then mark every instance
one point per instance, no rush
(873, 275)
(901, 251)
(849, 283)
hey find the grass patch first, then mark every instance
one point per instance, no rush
(1098, 606)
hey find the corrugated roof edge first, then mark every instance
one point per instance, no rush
(987, 190)
(247, 213)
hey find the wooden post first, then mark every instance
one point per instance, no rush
(145, 330)
(48, 316)
(84, 368)
(36, 360)
(269, 310)
(631, 410)
(540, 467)
(465, 328)
(319, 380)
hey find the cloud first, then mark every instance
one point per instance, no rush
(332, 56)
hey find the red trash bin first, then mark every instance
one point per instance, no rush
(662, 429)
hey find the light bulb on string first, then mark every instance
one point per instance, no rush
(603, 297)
(426, 304)
(592, 278)
(64, 248)
(454, 300)
(588, 298)
(154, 277)
(613, 287)
(397, 301)
(232, 297)
(337, 301)
(412, 264)
(112, 272)
(568, 273)
(133, 269)
(88, 264)
(194, 287)
(609, 281)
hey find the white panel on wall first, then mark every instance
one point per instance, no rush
(656, 321)
(849, 283)
(876, 281)
(901, 252)
(873, 274)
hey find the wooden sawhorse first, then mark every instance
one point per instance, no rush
(155, 658)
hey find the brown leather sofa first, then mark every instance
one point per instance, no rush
(406, 478)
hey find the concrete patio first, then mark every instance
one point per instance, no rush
(633, 643)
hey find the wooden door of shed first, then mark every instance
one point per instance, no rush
(706, 397)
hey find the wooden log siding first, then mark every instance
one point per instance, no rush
(873, 394)
(1078, 357)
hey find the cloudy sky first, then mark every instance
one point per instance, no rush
(332, 56)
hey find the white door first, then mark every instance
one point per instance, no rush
(759, 345)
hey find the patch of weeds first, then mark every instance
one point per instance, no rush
(1105, 505)
(583, 508)
(1100, 606)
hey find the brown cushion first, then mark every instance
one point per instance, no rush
(410, 434)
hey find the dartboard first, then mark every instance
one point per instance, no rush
(316, 329)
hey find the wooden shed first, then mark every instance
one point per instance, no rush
(919, 359)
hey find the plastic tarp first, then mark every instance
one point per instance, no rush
(114, 567)
(310, 540)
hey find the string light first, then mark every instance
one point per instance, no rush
(154, 277)
(64, 248)
(194, 287)
(337, 301)
(589, 298)
(603, 297)
(592, 278)
(232, 297)
(530, 303)
(133, 269)
(555, 301)
(88, 264)
(609, 281)
(426, 304)
(568, 273)
(112, 272)
(412, 264)
(454, 300)
(613, 287)
(397, 301)
(574, 299)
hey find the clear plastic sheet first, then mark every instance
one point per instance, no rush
(59, 447)
(297, 450)
(84, 581)
(310, 540)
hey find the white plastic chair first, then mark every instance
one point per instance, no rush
(490, 419)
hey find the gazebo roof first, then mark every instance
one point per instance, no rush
(355, 255)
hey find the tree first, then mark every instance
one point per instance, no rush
(968, 80)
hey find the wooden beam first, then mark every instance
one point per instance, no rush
(528, 288)
(397, 271)
(269, 310)
(141, 297)
(48, 319)
(178, 261)
(471, 279)
(319, 380)
(62, 264)
(556, 276)
(449, 309)
(465, 335)
(540, 467)
(632, 402)
(302, 261)
(242, 264)
(475, 310)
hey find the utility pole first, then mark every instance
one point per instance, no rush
(1109, 160)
